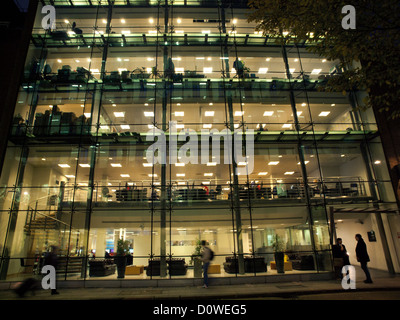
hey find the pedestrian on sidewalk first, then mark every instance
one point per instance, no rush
(206, 258)
(363, 257)
(52, 260)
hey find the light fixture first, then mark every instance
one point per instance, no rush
(207, 126)
(209, 113)
(123, 21)
(239, 113)
(211, 164)
(179, 113)
(43, 159)
(125, 175)
(296, 60)
(125, 126)
(289, 173)
(324, 60)
(287, 126)
(180, 174)
(69, 176)
(207, 70)
(316, 71)
(104, 127)
(268, 59)
(262, 173)
(273, 163)
(179, 20)
(179, 164)
(333, 105)
(119, 114)
(66, 21)
(87, 115)
(262, 70)
(292, 70)
(84, 165)
(116, 165)
(151, 20)
(324, 113)
(206, 182)
(205, 31)
(152, 175)
(234, 21)
(59, 61)
(305, 162)
(146, 165)
(208, 174)
(377, 162)
(125, 32)
(64, 165)
(149, 114)
(304, 104)
(268, 113)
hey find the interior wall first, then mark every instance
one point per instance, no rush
(347, 231)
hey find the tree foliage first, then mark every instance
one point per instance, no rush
(370, 54)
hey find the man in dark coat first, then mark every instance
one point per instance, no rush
(362, 256)
(51, 259)
(340, 256)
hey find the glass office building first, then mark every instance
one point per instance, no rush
(77, 173)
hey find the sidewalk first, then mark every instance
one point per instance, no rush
(247, 291)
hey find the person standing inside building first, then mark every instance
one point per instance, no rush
(206, 258)
(52, 260)
(362, 256)
(340, 256)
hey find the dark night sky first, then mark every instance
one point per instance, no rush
(22, 4)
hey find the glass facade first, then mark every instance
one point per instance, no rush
(76, 173)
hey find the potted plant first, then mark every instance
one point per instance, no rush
(120, 258)
(279, 253)
(196, 260)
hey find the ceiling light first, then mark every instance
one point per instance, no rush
(180, 174)
(87, 115)
(64, 165)
(119, 114)
(149, 114)
(69, 176)
(333, 105)
(200, 58)
(152, 175)
(104, 21)
(262, 70)
(292, 70)
(207, 70)
(305, 162)
(206, 182)
(104, 127)
(123, 21)
(239, 113)
(84, 165)
(179, 113)
(179, 20)
(377, 162)
(209, 113)
(304, 104)
(324, 60)
(179, 164)
(262, 173)
(234, 21)
(151, 20)
(289, 173)
(116, 165)
(125, 126)
(43, 159)
(268, 113)
(287, 126)
(273, 163)
(324, 113)
(268, 59)
(125, 175)
(205, 31)
(207, 126)
(316, 71)
(211, 164)
(146, 165)
(208, 174)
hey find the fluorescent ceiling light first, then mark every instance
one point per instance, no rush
(206, 182)
(268, 113)
(262, 173)
(181, 183)
(305, 162)
(324, 113)
(87, 115)
(179, 69)
(239, 113)
(289, 173)
(208, 174)
(64, 165)
(179, 164)
(125, 175)
(205, 31)
(104, 127)
(179, 20)
(273, 163)
(84, 165)
(207, 70)
(377, 162)
(125, 126)
(151, 20)
(207, 126)
(152, 175)
(211, 164)
(179, 113)
(287, 125)
(116, 165)
(209, 113)
(242, 163)
(149, 114)
(200, 58)
(262, 70)
(69, 176)
(292, 70)
(180, 174)
(316, 71)
(123, 21)
(146, 164)
(119, 114)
